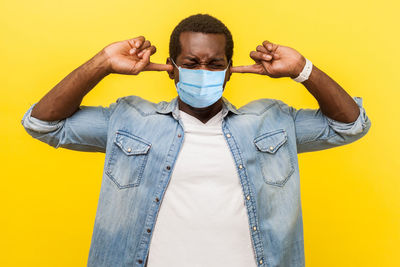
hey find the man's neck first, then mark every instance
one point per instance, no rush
(203, 114)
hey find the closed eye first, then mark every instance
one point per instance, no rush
(190, 65)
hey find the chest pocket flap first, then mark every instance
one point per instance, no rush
(273, 156)
(131, 145)
(127, 162)
(270, 142)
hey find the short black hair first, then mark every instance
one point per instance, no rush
(203, 23)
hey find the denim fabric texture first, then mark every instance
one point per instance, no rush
(141, 141)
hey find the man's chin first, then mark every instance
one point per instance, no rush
(200, 110)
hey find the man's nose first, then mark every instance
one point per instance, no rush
(203, 67)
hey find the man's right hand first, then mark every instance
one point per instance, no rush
(132, 56)
(125, 57)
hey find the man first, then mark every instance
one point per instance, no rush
(227, 178)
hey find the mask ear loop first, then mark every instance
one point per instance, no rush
(228, 65)
(174, 63)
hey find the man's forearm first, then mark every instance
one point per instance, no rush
(333, 100)
(65, 98)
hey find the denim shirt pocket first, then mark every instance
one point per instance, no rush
(127, 160)
(273, 157)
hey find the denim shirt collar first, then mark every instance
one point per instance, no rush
(172, 106)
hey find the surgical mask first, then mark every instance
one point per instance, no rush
(200, 88)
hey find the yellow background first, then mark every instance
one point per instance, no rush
(350, 194)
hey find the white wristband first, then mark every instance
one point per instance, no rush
(305, 73)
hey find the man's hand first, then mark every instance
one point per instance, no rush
(132, 56)
(125, 57)
(274, 60)
(282, 61)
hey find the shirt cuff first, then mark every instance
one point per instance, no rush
(37, 125)
(354, 127)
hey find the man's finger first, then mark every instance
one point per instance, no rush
(158, 67)
(262, 49)
(245, 69)
(271, 47)
(258, 56)
(136, 42)
(268, 45)
(144, 45)
(276, 56)
(151, 48)
(144, 61)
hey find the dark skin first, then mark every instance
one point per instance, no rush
(132, 56)
(201, 51)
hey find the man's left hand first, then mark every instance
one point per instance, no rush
(274, 61)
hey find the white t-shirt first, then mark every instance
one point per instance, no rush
(202, 220)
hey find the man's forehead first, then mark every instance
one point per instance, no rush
(197, 44)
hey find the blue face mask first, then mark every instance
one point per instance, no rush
(200, 88)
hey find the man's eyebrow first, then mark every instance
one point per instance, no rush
(189, 57)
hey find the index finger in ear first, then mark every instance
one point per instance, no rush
(158, 67)
(244, 69)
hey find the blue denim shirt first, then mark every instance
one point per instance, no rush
(142, 141)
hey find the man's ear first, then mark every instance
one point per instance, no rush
(229, 75)
(171, 74)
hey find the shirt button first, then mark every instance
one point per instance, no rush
(140, 261)
(254, 228)
(157, 199)
(129, 149)
(248, 197)
(168, 167)
(271, 148)
(148, 230)
(228, 135)
(261, 261)
(179, 135)
(240, 166)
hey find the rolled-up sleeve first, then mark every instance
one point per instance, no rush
(315, 131)
(352, 128)
(85, 130)
(37, 125)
